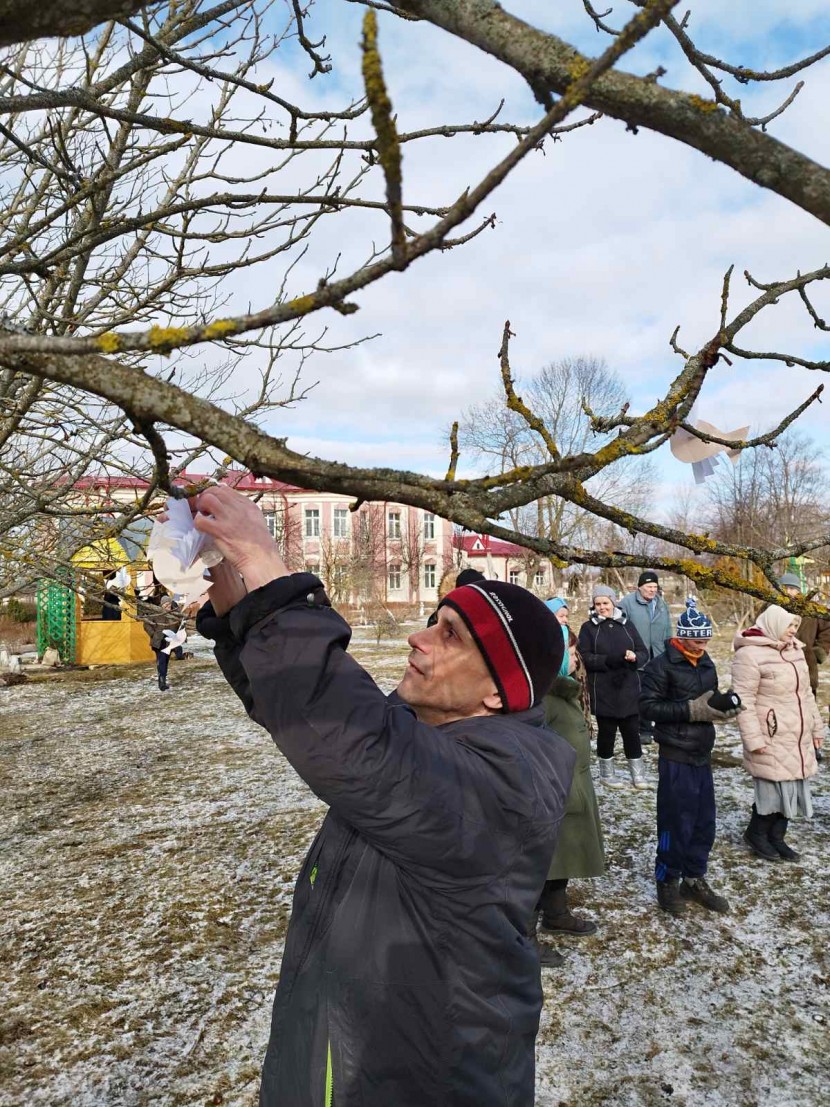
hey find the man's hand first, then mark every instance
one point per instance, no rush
(630, 655)
(240, 532)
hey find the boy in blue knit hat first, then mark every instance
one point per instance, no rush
(680, 693)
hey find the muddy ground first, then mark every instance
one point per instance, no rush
(149, 847)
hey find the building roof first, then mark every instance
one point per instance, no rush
(480, 545)
(242, 479)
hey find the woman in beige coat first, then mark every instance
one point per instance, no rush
(780, 728)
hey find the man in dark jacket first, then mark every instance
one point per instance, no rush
(680, 693)
(408, 977)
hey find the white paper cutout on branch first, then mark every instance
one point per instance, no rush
(174, 638)
(179, 553)
(120, 580)
(702, 456)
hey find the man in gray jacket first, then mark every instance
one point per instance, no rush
(649, 613)
(408, 976)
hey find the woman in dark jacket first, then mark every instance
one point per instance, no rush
(613, 651)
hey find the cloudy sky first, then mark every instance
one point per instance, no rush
(604, 243)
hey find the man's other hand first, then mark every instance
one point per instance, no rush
(241, 535)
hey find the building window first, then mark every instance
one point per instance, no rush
(312, 522)
(313, 567)
(393, 524)
(539, 579)
(341, 523)
(513, 576)
(429, 525)
(429, 576)
(394, 578)
(272, 522)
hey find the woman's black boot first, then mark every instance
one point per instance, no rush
(756, 836)
(778, 829)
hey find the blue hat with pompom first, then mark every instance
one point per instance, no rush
(693, 623)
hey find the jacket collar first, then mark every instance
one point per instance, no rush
(676, 657)
(619, 616)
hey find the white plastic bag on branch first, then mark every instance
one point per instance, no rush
(180, 554)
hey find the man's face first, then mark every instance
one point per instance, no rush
(648, 591)
(446, 677)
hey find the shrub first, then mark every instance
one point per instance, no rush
(16, 611)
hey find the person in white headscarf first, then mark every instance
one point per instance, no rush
(781, 728)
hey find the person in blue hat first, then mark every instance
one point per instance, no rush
(680, 693)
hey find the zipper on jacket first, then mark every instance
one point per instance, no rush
(329, 1097)
(324, 898)
(800, 714)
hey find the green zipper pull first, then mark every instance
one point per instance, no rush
(312, 876)
(329, 1100)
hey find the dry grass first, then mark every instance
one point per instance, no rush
(17, 636)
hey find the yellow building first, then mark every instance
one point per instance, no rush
(116, 641)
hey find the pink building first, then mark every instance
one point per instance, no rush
(385, 553)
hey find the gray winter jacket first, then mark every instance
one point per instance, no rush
(407, 976)
(653, 624)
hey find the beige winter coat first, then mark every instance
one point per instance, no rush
(781, 716)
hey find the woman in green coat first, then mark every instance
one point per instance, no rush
(580, 851)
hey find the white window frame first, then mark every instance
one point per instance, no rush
(312, 522)
(513, 576)
(429, 526)
(429, 574)
(340, 522)
(393, 576)
(393, 524)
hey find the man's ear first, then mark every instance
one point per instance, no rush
(493, 702)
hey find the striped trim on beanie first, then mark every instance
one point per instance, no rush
(519, 638)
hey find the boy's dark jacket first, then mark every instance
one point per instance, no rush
(407, 976)
(668, 683)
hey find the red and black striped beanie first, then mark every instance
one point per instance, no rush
(519, 638)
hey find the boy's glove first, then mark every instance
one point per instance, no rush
(821, 654)
(725, 701)
(701, 710)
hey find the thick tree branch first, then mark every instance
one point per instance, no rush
(22, 21)
(548, 62)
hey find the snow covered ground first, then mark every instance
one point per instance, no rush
(149, 848)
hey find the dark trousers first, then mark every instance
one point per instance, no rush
(163, 661)
(685, 819)
(607, 735)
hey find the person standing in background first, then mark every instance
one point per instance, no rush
(649, 613)
(680, 693)
(613, 652)
(780, 729)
